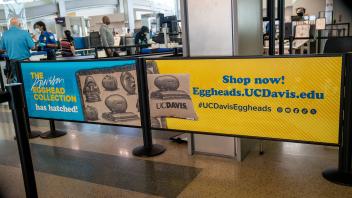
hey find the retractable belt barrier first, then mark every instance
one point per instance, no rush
(283, 98)
(14, 95)
(106, 92)
(291, 40)
(2, 85)
(153, 52)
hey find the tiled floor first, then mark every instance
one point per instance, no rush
(96, 161)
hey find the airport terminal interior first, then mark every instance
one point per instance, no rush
(176, 98)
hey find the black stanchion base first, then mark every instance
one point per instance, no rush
(52, 134)
(338, 177)
(156, 149)
(34, 134)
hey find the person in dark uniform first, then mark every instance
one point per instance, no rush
(46, 40)
(141, 39)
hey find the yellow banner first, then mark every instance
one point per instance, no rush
(282, 98)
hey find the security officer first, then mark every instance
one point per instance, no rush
(16, 43)
(141, 39)
(46, 41)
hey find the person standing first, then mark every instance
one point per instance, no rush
(16, 43)
(128, 34)
(107, 37)
(141, 39)
(46, 41)
(67, 45)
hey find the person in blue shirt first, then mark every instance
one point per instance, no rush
(16, 43)
(46, 40)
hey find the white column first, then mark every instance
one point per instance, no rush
(329, 6)
(210, 27)
(177, 8)
(130, 11)
(61, 13)
(62, 8)
(16, 10)
(248, 26)
(221, 28)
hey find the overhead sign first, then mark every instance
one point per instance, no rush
(295, 99)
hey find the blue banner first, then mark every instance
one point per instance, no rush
(92, 91)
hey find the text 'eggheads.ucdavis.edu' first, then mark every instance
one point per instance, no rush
(256, 92)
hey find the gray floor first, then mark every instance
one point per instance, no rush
(156, 178)
(97, 161)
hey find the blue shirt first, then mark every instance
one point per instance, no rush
(17, 43)
(47, 38)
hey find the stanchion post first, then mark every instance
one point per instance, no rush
(96, 53)
(148, 149)
(291, 44)
(31, 134)
(281, 16)
(175, 51)
(319, 41)
(343, 174)
(271, 16)
(53, 132)
(17, 105)
(2, 85)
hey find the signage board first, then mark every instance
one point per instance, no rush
(295, 99)
(86, 91)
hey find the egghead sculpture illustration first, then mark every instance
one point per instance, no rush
(117, 104)
(91, 113)
(170, 96)
(110, 83)
(128, 82)
(168, 86)
(91, 90)
(109, 95)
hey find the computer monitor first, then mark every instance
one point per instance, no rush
(288, 29)
(94, 38)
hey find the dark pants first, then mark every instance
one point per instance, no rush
(11, 68)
